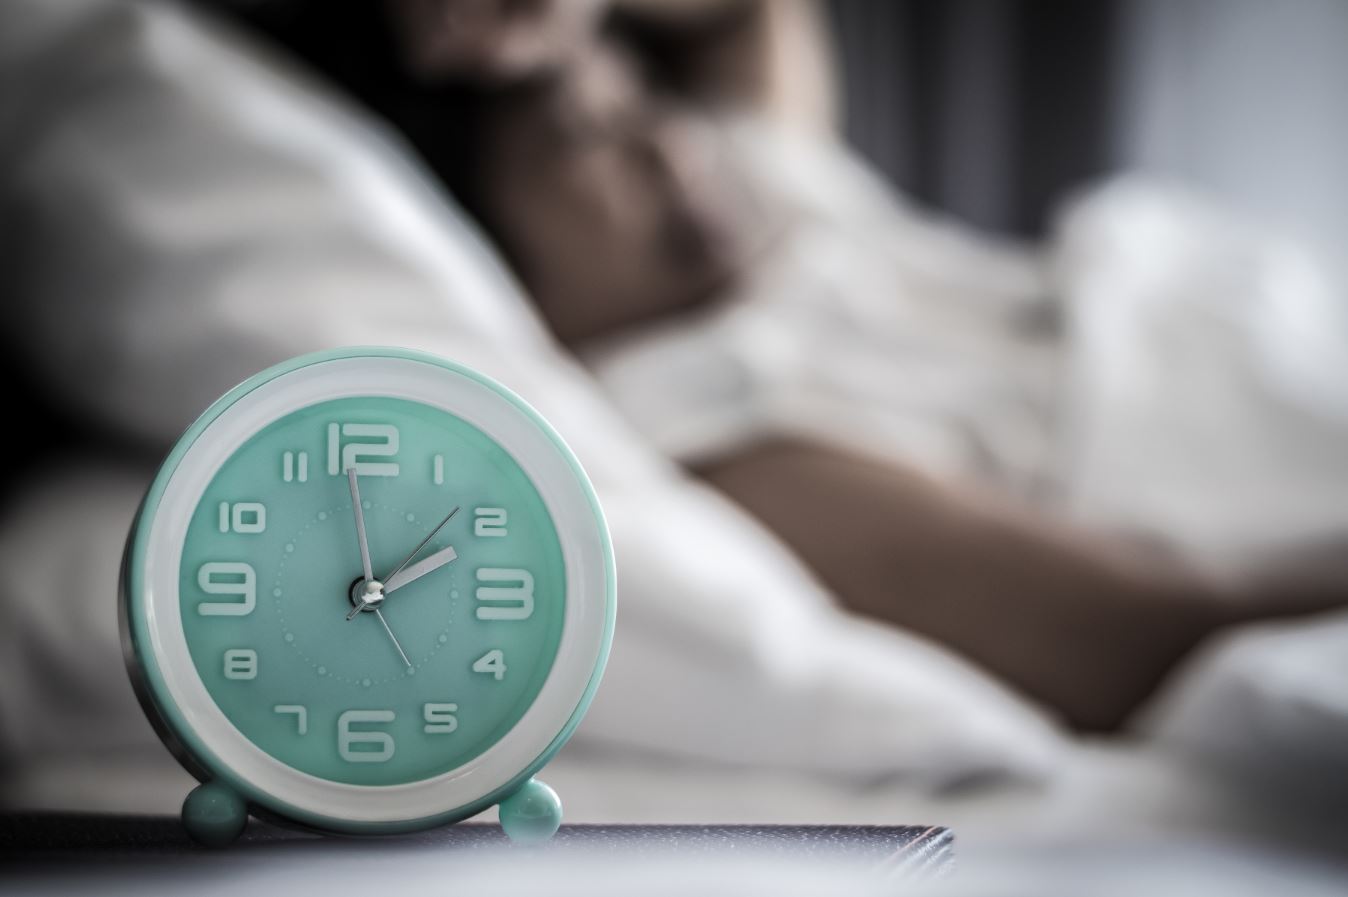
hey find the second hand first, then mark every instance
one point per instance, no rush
(380, 614)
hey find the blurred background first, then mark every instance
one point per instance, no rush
(990, 355)
(996, 110)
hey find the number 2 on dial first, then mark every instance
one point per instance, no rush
(490, 522)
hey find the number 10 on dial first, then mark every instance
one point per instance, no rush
(364, 570)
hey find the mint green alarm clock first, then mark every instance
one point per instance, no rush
(369, 591)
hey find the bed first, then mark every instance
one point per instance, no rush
(183, 209)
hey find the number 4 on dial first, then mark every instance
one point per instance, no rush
(493, 662)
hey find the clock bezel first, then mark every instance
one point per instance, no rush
(170, 686)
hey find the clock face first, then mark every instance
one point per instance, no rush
(439, 667)
(369, 590)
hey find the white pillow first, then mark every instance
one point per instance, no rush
(1270, 704)
(1207, 366)
(184, 212)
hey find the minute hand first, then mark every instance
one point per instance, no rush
(420, 568)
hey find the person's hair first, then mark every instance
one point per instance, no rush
(351, 45)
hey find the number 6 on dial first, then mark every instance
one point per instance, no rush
(348, 737)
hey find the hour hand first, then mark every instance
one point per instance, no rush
(415, 571)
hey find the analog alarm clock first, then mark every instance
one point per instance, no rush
(369, 591)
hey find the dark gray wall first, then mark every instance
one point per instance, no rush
(989, 109)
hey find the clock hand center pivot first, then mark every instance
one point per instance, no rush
(365, 594)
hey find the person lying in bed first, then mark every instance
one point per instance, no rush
(622, 210)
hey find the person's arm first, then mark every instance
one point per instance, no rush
(1087, 625)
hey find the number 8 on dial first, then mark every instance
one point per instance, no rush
(369, 591)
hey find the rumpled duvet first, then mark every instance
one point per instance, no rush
(182, 210)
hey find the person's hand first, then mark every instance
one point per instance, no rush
(491, 40)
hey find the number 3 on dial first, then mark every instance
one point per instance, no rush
(509, 597)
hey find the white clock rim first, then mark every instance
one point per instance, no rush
(579, 651)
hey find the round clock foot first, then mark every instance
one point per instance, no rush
(214, 815)
(532, 814)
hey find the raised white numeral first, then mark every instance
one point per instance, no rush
(301, 715)
(348, 738)
(438, 470)
(489, 522)
(240, 663)
(243, 517)
(440, 718)
(493, 663)
(514, 601)
(383, 444)
(227, 578)
(295, 467)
